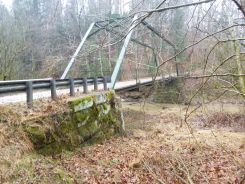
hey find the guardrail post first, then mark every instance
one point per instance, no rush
(72, 87)
(29, 94)
(53, 89)
(95, 84)
(105, 83)
(138, 85)
(85, 85)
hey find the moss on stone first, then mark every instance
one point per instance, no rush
(99, 137)
(110, 95)
(80, 102)
(78, 116)
(50, 149)
(86, 131)
(66, 131)
(105, 108)
(36, 134)
(66, 127)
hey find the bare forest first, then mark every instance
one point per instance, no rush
(188, 127)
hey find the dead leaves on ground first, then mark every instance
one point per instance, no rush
(154, 152)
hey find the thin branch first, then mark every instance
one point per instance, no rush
(175, 7)
(239, 7)
(212, 75)
(204, 38)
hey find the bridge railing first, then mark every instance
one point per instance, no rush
(28, 86)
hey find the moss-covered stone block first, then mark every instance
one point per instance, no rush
(36, 134)
(100, 98)
(110, 95)
(91, 119)
(99, 137)
(88, 130)
(82, 103)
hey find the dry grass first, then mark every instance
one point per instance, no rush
(235, 121)
(155, 150)
(207, 154)
(13, 141)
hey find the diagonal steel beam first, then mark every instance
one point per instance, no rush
(113, 31)
(158, 34)
(117, 68)
(77, 51)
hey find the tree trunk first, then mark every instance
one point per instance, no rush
(239, 67)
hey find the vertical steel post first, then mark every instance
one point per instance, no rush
(72, 87)
(53, 89)
(29, 94)
(85, 85)
(95, 84)
(116, 70)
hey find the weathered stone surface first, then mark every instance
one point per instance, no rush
(100, 98)
(82, 104)
(90, 119)
(168, 91)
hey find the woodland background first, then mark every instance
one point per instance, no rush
(206, 39)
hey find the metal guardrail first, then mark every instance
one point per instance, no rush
(29, 86)
(134, 86)
(139, 84)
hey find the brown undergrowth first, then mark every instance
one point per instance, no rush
(155, 149)
(235, 121)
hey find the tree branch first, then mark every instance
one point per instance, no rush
(212, 75)
(239, 7)
(175, 7)
(189, 46)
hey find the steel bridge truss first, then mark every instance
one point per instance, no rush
(120, 59)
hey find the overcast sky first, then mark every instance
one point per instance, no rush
(7, 3)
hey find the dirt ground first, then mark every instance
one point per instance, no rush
(158, 147)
